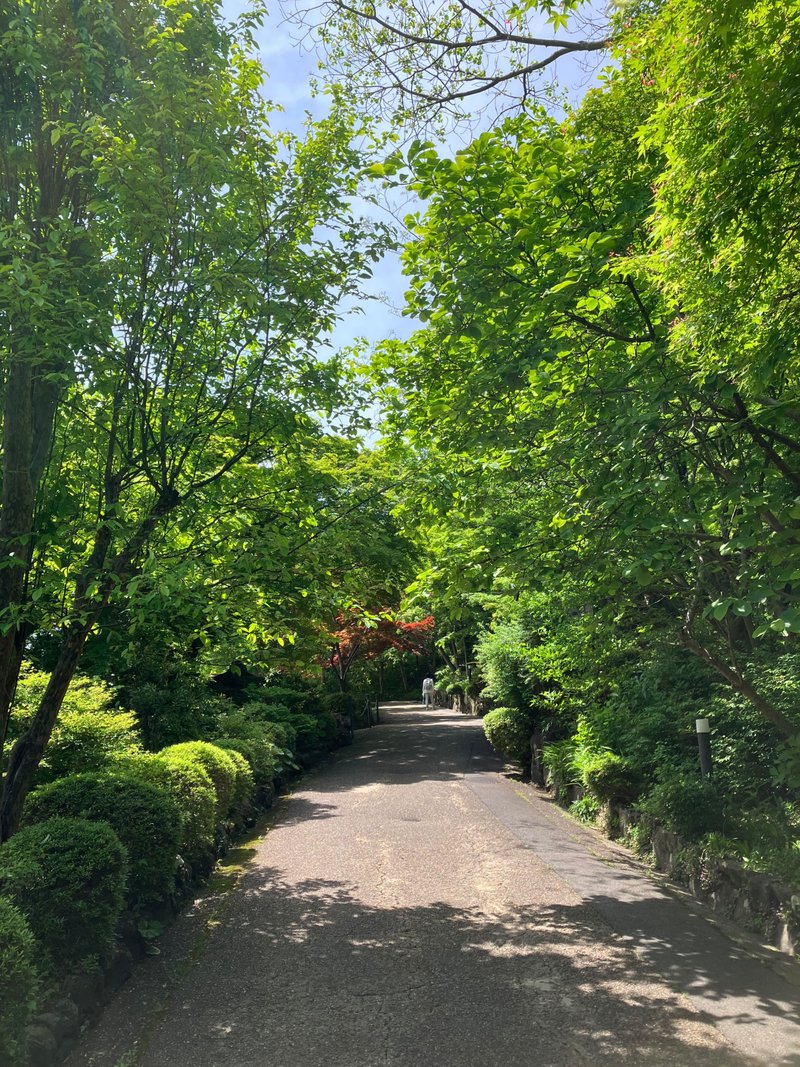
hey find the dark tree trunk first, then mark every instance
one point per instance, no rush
(28, 419)
(27, 753)
(742, 685)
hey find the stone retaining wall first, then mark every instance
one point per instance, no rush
(465, 704)
(757, 902)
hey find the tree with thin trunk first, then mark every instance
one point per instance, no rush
(214, 290)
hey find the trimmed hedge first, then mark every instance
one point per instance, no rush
(19, 980)
(608, 776)
(260, 754)
(145, 817)
(271, 721)
(686, 804)
(190, 786)
(218, 765)
(307, 730)
(508, 731)
(244, 786)
(67, 877)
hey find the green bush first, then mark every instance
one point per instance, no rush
(509, 731)
(176, 710)
(190, 786)
(250, 721)
(294, 699)
(559, 759)
(608, 777)
(585, 809)
(19, 980)
(262, 756)
(85, 696)
(503, 655)
(244, 784)
(144, 816)
(299, 715)
(218, 765)
(326, 727)
(338, 704)
(248, 724)
(67, 876)
(311, 722)
(687, 805)
(306, 732)
(89, 741)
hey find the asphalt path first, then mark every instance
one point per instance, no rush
(410, 905)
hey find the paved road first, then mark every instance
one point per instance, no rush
(412, 907)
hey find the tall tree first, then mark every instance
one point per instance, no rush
(217, 285)
(581, 431)
(65, 69)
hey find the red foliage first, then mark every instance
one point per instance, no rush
(354, 637)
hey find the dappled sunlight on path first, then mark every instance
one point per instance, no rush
(412, 906)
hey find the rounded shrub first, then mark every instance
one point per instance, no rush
(244, 786)
(146, 818)
(19, 980)
(309, 732)
(217, 763)
(608, 776)
(687, 805)
(67, 877)
(260, 754)
(190, 786)
(327, 726)
(281, 734)
(509, 731)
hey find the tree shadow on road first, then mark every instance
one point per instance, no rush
(334, 980)
(410, 747)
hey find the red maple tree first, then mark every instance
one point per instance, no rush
(360, 636)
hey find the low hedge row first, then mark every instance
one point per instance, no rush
(67, 877)
(104, 833)
(217, 764)
(190, 786)
(144, 817)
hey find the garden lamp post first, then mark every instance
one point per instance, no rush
(704, 745)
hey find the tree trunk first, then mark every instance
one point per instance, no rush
(742, 685)
(28, 419)
(27, 753)
(29, 749)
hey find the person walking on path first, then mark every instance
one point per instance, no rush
(427, 692)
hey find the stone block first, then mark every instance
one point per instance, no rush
(85, 990)
(666, 846)
(41, 1046)
(119, 970)
(62, 1021)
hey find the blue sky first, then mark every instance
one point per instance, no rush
(290, 68)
